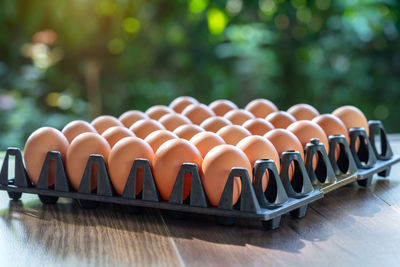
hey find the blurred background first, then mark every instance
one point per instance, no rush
(63, 60)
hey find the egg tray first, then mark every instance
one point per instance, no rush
(282, 196)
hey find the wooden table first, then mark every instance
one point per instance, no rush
(351, 226)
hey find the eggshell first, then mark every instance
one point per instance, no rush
(213, 124)
(40, 142)
(232, 134)
(306, 130)
(280, 119)
(168, 161)
(130, 117)
(205, 141)
(143, 128)
(197, 113)
(188, 131)
(352, 117)
(102, 123)
(257, 147)
(180, 103)
(261, 107)
(239, 116)
(173, 120)
(75, 128)
(222, 106)
(121, 158)
(116, 133)
(284, 140)
(332, 125)
(303, 112)
(157, 138)
(78, 154)
(258, 126)
(216, 168)
(156, 112)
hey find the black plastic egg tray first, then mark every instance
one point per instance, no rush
(282, 195)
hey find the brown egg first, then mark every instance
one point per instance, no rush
(352, 117)
(205, 141)
(180, 103)
(232, 134)
(283, 140)
(157, 138)
(280, 119)
(239, 116)
(168, 161)
(116, 133)
(121, 158)
(130, 117)
(303, 112)
(188, 131)
(216, 168)
(213, 124)
(143, 128)
(75, 128)
(173, 120)
(222, 106)
(258, 126)
(104, 122)
(78, 154)
(40, 142)
(197, 113)
(261, 107)
(306, 130)
(156, 112)
(257, 147)
(332, 125)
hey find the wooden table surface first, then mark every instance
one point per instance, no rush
(351, 226)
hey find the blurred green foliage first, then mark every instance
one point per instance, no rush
(62, 60)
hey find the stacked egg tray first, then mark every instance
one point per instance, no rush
(282, 196)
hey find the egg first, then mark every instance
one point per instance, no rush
(213, 124)
(197, 113)
(205, 141)
(180, 103)
(222, 106)
(104, 122)
(40, 142)
(78, 154)
(280, 119)
(120, 162)
(232, 134)
(258, 126)
(239, 116)
(173, 120)
(168, 161)
(284, 140)
(156, 112)
(75, 128)
(116, 133)
(306, 130)
(260, 108)
(143, 128)
(216, 167)
(256, 148)
(157, 138)
(188, 131)
(303, 112)
(332, 125)
(130, 117)
(352, 117)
